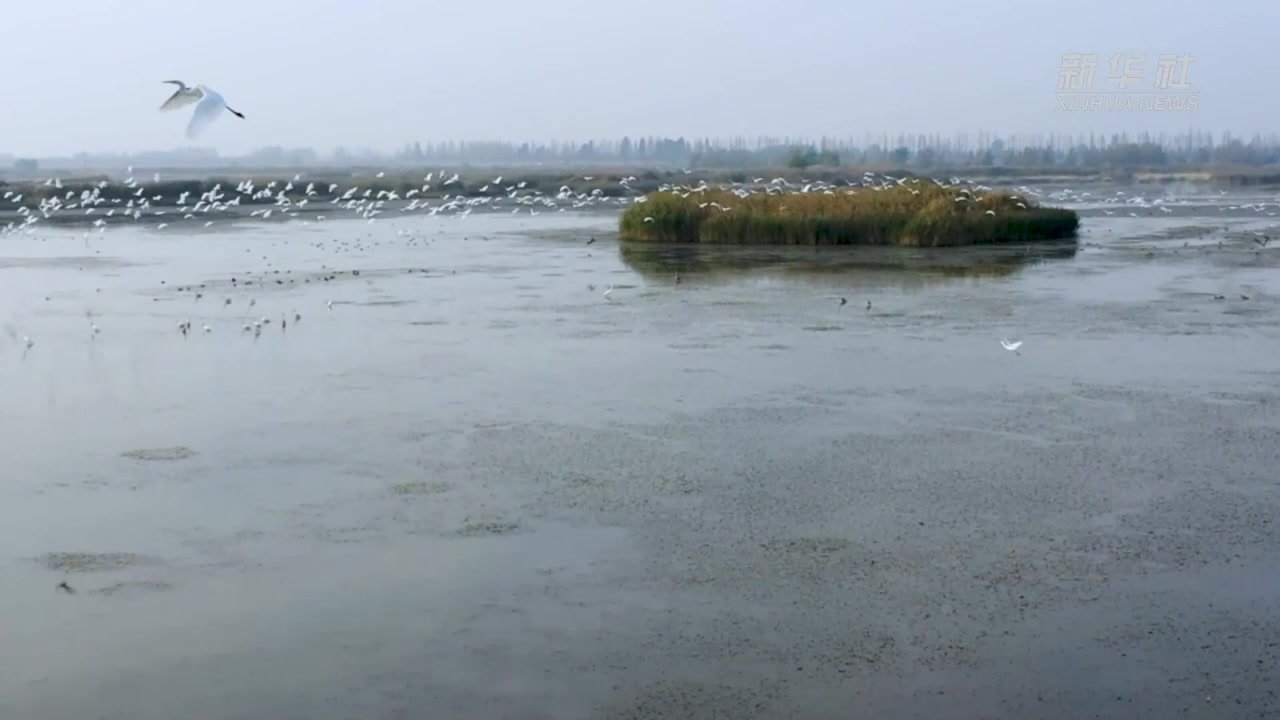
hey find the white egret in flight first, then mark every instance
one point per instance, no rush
(209, 105)
(1011, 346)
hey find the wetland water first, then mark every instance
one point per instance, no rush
(475, 487)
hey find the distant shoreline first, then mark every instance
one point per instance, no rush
(478, 174)
(607, 186)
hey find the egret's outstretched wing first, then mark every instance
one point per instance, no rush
(205, 113)
(181, 98)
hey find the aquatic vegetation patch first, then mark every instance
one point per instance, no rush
(916, 214)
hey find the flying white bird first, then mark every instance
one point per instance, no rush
(1011, 346)
(209, 106)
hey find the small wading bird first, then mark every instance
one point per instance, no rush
(209, 106)
(1011, 346)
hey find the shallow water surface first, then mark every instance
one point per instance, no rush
(448, 475)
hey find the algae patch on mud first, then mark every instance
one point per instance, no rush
(420, 487)
(132, 586)
(90, 562)
(488, 527)
(820, 547)
(178, 452)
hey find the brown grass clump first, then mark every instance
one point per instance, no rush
(918, 214)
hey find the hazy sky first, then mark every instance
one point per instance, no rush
(85, 74)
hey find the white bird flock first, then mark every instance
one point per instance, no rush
(102, 203)
(435, 194)
(133, 200)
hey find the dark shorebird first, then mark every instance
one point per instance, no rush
(843, 302)
(591, 240)
(63, 586)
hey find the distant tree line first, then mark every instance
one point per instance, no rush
(904, 151)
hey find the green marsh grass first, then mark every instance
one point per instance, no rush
(918, 215)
